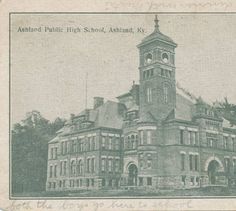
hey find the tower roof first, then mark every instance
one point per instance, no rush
(157, 35)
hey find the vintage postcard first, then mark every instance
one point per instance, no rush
(121, 111)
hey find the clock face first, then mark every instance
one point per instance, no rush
(148, 58)
(165, 58)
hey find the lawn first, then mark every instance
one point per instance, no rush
(198, 192)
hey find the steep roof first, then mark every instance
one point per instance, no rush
(157, 35)
(183, 108)
(110, 114)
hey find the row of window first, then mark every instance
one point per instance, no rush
(53, 153)
(194, 180)
(148, 73)
(110, 165)
(145, 138)
(87, 182)
(191, 140)
(131, 141)
(76, 168)
(193, 162)
(72, 183)
(145, 162)
(228, 144)
(140, 182)
(110, 143)
(166, 73)
(131, 115)
(166, 94)
(80, 145)
(228, 165)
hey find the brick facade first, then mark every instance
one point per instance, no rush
(157, 136)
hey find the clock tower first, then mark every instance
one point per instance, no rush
(157, 75)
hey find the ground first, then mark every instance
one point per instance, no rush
(198, 192)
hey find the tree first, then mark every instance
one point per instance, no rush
(228, 110)
(29, 143)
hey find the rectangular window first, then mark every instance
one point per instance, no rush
(77, 183)
(62, 148)
(117, 165)
(192, 180)
(110, 165)
(92, 182)
(196, 162)
(234, 144)
(65, 167)
(93, 143)
(149, 181)
(227, 165)
(55, 171)
(141, 137)
(117, 144)
(79, 146)
(234, 164)
(149, 137)
(165, 94)
(51, 171)
(193, 138)
(140, 181)
(73, 146)
(88, 165)
(88, 144)
(110, 143)
(92, 165)
(66, 147)
(149, 95)
(72, 184)
(191, 162)
(103, 142)
(61, 167)
(149, 161)
(51, 153)
(181, 136)
(103, 164)
(182, 162)
(183, 178)
(55, 152)
(189, 137)
(225, 140)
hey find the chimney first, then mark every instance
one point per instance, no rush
(98, 101)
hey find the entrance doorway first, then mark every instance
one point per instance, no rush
(133, 175)
(213, 168)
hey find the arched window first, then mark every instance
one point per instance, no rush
(148, 58)
(80, 167)
(132, 142)
(136, 141)
(73, 167)
(128, 143)
(149, 95)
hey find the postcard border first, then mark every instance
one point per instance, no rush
(94, 198)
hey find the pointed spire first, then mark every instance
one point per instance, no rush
(156, 24)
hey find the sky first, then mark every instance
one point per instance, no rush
(48, 69)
